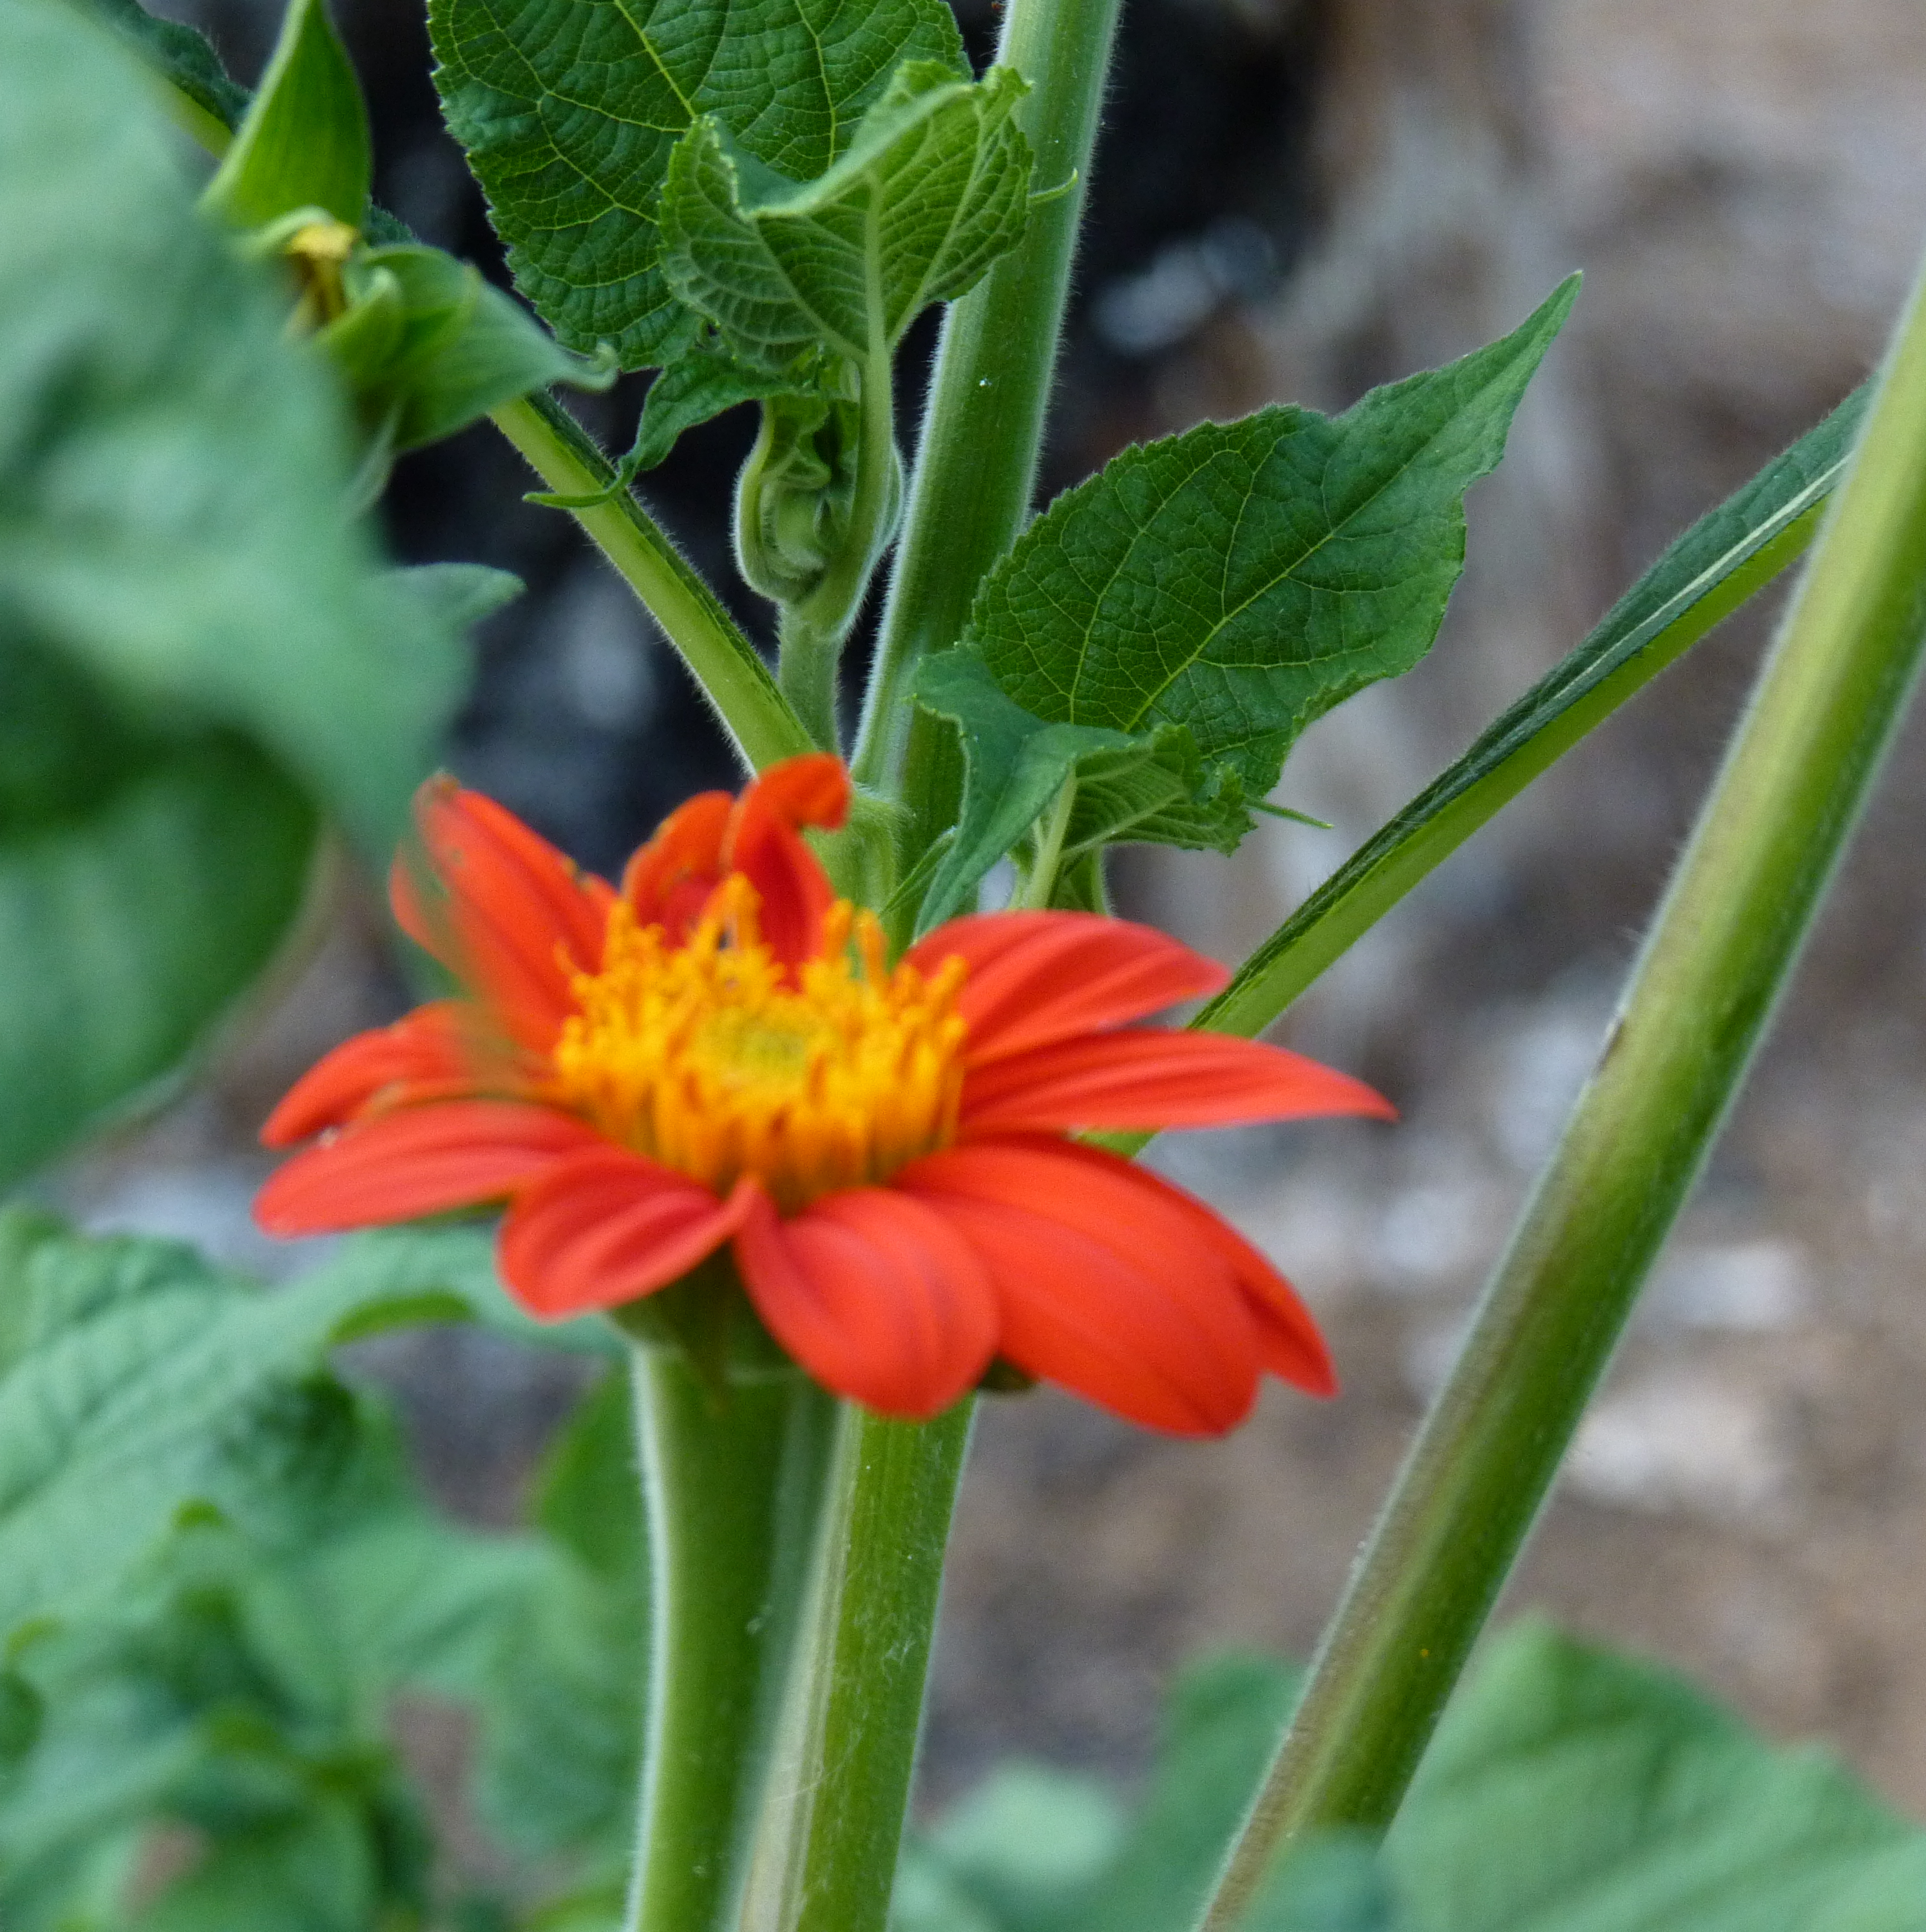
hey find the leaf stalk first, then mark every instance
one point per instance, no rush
(1719, 956)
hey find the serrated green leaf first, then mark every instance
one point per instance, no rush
(570, 110)
(137, 1380)
(698, 386)
(1151, 787)
(1729, 555)
(304, 141)
(934, 186)
(172, 467)
(1568, 1788)
(1243, 578)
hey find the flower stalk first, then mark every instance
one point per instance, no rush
(1720, 952)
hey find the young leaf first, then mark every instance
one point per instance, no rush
(1243, 578)
(459, 595)
(1569, 1787)
(570, 110)
(933, 187)
(1150, 787)
(304, 141)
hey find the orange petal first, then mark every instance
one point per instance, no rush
(606, 1226)
(812, 790)
(1102, 1288)
(1289, 1345)
(1039, 976)
(668, 881)
(420, 1056)
(877, 1295)
(1154, 1078)
(502, 908)
(420, 1160)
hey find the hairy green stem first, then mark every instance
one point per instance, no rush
(1719, 953)
(1042, 884)
(825, 1855)
(976, 463)
(724, 664)
(729, 1486)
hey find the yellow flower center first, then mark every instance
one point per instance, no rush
(707, 1057)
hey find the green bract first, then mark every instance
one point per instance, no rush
(1243, 578)
(570, 110)
(182, 603)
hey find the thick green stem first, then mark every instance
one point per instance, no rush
(724, 664)
(730, 1487)
(977, 465)
(826, 1850)
(1719, 953)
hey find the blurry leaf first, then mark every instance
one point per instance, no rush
(188, 628)
(126, 926)
(136, 1379)
(1243, 578)
(587, 1494)
(181, 55)
(1726, 556)
(1026, 1844)
(429, 347)
(459, 595)
(570, 110)
(304, 140)
(171, 468)
(1333, 1884)
(933, 188)
(1150, 788)
(1568, 1788)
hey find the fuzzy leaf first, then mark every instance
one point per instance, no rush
(933, 188)
(1148, 788)
(181, 55)
(1243, 578)
(304, 141)
(570, 108)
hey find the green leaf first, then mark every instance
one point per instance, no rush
(171, 468)
(429, 347)
(1151, 787)
(570, 110)
(181, 55)
(933, 188)
(136, 1380)
(1243, 578)
(1568, 1788)
(304, 141)
(457, 596)
(130, 921)
(191, 635)
(1730, 553)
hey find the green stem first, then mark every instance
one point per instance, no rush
(977, 466)
(1721, 950)
(724, 664)
(1038, 888)
(728, 1486)
(826, 1850)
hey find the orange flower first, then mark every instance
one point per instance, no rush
(721, 1053)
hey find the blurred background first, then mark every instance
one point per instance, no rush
(1297, 200)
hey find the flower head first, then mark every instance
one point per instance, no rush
(720, 1053)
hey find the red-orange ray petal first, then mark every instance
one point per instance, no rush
(417, 1161)
(1288, 1342)
(766, 847)
(668, 880)
(1102, 1288)
(1154, 1078)
(606, 1226)
(503, 909)
(419, 1056)
(1039, 976)
(876, 1295)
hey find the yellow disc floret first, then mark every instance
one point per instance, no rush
(708, 1057)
